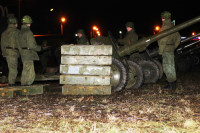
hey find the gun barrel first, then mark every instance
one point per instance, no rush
(147, 41)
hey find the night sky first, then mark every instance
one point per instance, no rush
(108, 15)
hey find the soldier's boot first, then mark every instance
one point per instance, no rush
(171, 86)
(167, 86)
(11, 84)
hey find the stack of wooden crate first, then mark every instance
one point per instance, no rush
(85, 69)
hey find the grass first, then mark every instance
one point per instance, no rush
(148, 110)
(146, 113)
(54, 125)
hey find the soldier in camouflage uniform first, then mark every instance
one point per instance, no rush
(82, 37)
(45, 54)
(99, 40)
(131, 36)
(167, 45)
(28, 51)
(9, 46)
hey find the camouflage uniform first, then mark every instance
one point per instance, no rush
(82, 40)
(131, 36)
(45, 54)
(167, 45)
(28, 51)
(99, 40)
(9, 46)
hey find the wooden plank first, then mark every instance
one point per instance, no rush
(85, 90)
(9, 92)
(84, 80)
(32, 90)
(86, 60)
(44, 77)
(85, 70)
(47, 77)
(86, 49)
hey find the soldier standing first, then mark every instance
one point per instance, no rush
(9, 46)
(167, 45)
(28, 51)
(82, 37)
(45, 54)
(131, 36)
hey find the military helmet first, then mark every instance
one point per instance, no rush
(80, 31)
(130, 24)
(27, 19)
(12, 20)
(166, 15)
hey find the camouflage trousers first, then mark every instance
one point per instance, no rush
(28, 73)
(12, 67)
(169, 66)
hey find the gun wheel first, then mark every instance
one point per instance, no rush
(135, 76)
(150, 70)
(159, 67)
(118, 75)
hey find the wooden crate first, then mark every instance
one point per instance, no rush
(84, 80)
(13, 91)
(6, 92)
(32, 90)
(86, 60)
(86, 90)
(86, 50)
(85, 69)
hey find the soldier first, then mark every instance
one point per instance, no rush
(45, 54)
(99, 40)
(131, 36)
(167, 45)
(28, 51)
(9, 46)
(82, 37)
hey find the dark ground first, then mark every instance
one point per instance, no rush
(148, 109)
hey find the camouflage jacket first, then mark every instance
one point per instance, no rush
(9, 41)
(28, 45)
(83, 40)
(99, 40)
(130, 38)
(171, 42)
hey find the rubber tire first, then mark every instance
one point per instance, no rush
(159, 67)
(138, 77)
(150, 70)
(123, 75)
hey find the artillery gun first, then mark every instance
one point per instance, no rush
(128, 74)
(187, 54)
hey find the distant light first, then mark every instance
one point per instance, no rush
(51, 10)
(95, 28)
(120, 32)
(45, 35)
(183, 37)
(193, 33)
(157, 28)
(76, 35)
(63, 19)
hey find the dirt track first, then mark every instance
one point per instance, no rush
(140, 110)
